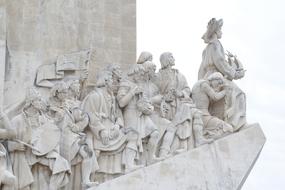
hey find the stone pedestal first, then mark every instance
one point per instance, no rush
(222, 165)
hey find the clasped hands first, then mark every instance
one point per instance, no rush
(107, 135)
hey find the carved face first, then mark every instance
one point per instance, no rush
(109, 82)
(117, 74)
(217, 84)
(139, 76)
(62, 94)
(75, 87)
(219, 33)
(171, 60)
(145, 106)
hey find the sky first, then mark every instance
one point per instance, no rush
(254, 31)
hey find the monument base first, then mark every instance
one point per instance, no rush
(221, 165)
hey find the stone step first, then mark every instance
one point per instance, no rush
(221, 165)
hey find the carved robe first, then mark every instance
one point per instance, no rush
(73, 135)
(36, 171)
(104, 113)
(180, 109)
(234, 105)
(5, 168)
(151, 90)
(203, 95)
(134, 118)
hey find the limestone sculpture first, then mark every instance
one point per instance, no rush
(37, 164)
(78, 136)
(106, 135)
(204, 92)
(214, 60)
(178, 107)
(74, 144)
(137, 110)
(7, 179)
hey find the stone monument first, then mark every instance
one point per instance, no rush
(78, 112)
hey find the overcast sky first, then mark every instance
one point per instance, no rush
(254, 31)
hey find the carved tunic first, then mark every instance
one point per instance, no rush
(203, 95)
(234, 106)
(104, 113)
(214, 61)
(180, 109)
(25, 160)
(134, 118)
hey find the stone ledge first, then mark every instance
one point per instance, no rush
(222, 165)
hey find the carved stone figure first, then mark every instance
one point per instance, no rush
(137, 109)
(92, 130)
(73, 123)
(178, 107)
(214, 60)
(117, 75)
(74, 88)
(7, 179)
(205, 92)
(35, 152)
(106, 125)
(151, 91)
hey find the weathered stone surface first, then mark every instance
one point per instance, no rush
(222, 165)
(58, 120)
(39, 31)
(2, 52)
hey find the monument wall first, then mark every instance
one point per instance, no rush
(39, 31)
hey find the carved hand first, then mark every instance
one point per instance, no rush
(104, 136)
(15, 146)
(239, 74)
(74, 127)
(170, 96)
(115, 132)
(178, 93)
(138, 90)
